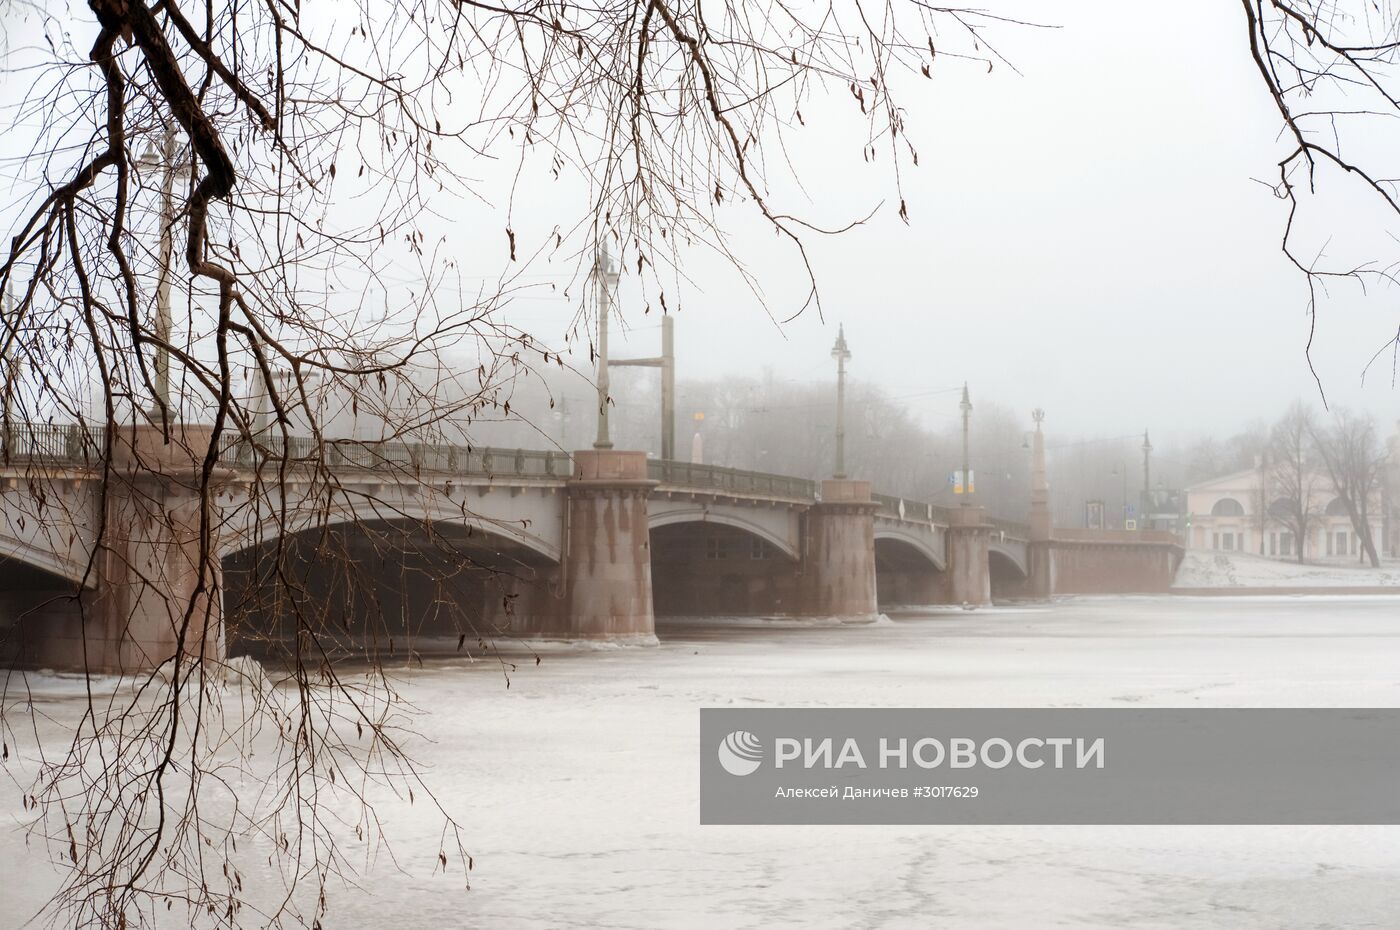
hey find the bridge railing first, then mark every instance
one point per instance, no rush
(719, 478)
(67, 443)
(412, 457)
(1011, 528)
(904, 508)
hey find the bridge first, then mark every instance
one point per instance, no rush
(101, 546)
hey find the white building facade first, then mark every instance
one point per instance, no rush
(1230, 514)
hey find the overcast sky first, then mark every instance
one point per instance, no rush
(1089, 236)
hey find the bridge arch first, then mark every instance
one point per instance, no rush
(928, 546)
(1010, 558)
(723, 562)
(377, 581)
(909, 568)
(41, 620)
(27, 554)
(737, 520)
(370, 512)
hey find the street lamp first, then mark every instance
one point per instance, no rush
(607, 279)
(166, 162)
(966, 407)
(842, 353)
(1146, 480)
(1122, 470)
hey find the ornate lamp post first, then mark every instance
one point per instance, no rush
(166, 161)
(842, 354)
(966, 408)
(607, 283)
(1146, 481)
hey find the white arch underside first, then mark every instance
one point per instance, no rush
(922, 546)
(697, 515)
(1010, 557)
(270, 529)
(54, 564)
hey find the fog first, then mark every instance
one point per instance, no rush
(1087, 232)
(1090, 236)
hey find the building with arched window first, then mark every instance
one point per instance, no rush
(1240, 513)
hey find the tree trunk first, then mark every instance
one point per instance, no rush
(1362, 526)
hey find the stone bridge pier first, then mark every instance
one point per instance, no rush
(838, 559)
(602, 586)
(151, 592)
(969, 575)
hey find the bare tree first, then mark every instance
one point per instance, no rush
(235, 186)
(1331, 69)
(1351, 452)
(1293, 475)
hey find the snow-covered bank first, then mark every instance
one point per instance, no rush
(1239, 570)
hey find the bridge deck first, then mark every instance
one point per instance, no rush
(80, 444)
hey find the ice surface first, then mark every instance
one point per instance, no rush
(578, 784)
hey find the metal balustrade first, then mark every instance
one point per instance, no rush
(405, 457)
(1011, 528)
(68, 443)
(904, 508)
(737, 480)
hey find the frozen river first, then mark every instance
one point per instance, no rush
(578, 784)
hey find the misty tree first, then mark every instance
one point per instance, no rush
(1204, 460)
(230, 215)
(1209, 457)
(1293, 475)
(1351, 453)
(906, 445)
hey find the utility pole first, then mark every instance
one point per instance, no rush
(1146, 479)
(668, 387)
(667, 363)
(166, 161)
(842, 354)
(607, 281)
(966, 408)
